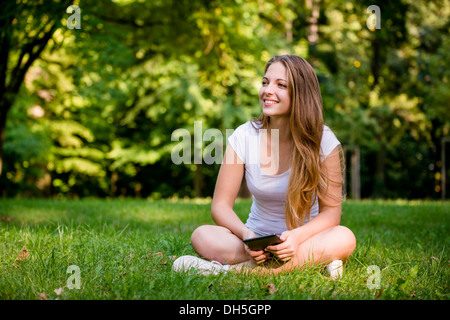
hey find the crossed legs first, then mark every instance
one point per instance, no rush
(220, 244)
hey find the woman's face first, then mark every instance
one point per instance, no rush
(273, 95)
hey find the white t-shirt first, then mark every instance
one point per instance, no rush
(269, 191)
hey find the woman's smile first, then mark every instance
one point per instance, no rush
(269, 102)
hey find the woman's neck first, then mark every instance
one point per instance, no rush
(282, 125)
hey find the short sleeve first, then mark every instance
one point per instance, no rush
(237, 140)
(328, 143)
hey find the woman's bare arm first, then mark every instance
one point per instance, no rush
(227, 187)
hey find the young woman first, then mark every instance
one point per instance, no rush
(293, 168)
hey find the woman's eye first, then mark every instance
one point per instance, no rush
(282, 85)
(264, 82)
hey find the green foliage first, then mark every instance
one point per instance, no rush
(113, 91)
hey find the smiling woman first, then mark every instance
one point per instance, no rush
(298, 198)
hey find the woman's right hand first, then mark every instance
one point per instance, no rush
(259, 256)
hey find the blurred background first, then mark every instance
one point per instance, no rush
(89, 98)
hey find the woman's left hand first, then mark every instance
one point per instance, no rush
(286, 250)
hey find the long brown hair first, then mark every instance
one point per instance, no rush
(308, 180)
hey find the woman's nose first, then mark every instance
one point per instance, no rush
(269, 89)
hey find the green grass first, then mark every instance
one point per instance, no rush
(123, 249)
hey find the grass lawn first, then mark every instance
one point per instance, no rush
(123, 250)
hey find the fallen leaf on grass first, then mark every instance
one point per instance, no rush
(380, 292)
(59, 291)
(23, 255)
(435, 259)
(160, 254)
(43, 296)
(271, 288)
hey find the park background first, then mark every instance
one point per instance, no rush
(88, 103)
(90, 98)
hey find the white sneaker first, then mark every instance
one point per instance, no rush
(204, 267)
(335, 269)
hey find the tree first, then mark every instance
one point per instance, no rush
(111, 93)
(25, 29)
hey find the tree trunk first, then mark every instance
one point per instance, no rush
(312, 31)
(355, 173)
(444, 168)
(4, 108)
(198, 180)
(375, 63)
(379, 184)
